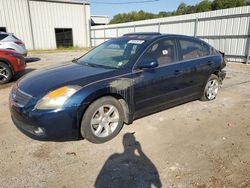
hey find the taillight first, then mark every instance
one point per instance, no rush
(19, 43)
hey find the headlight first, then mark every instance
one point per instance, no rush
(56, 98)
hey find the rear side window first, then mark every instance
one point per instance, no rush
(192, 49)
(3, 36)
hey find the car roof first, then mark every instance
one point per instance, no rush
(1, 32)
(142, 35)
(152, 36)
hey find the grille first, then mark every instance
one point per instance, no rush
(20, 98)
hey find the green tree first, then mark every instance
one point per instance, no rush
(203, 6)
(190, 9)
(132, 16)
(221, 4)
(185, 9)
(164, 14)
(182, 8)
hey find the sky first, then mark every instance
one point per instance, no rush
(154, 7)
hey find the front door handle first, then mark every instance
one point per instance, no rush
(209, 63)
(177, 72)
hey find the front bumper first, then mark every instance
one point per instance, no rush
(61, 125)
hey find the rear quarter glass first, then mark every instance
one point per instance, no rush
(3, 36)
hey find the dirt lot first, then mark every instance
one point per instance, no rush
(198, 144)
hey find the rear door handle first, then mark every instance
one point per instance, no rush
(209, 63)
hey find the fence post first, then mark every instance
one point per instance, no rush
(116, 31)
(134, 28)
(248, 48)
(31, 27)
(159, 27)
(90, 34)
(94, 39)
(104, 30)
(248, 57)
(196, 26)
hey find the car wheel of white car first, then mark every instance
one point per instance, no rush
(5, 73)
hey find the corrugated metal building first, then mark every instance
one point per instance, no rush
(99, 20)
(47, 24)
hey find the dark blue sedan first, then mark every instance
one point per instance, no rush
(115, 83)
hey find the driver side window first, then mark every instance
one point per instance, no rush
(163, 51)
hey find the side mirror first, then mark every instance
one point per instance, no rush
(149, 64)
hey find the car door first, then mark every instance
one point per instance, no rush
(195, 57)
(161, 86)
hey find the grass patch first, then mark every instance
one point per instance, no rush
(61, 49)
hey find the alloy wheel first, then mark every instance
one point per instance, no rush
(105, 121)
(212, 89)
(4, 74)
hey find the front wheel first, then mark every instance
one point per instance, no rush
(212, 88)
(5, 73)
(103, 120)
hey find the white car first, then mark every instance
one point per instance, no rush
(11, 42)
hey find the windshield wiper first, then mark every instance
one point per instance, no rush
(97, 65)
(92, 64)
(74, 60)
(102, 66)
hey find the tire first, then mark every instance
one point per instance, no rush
(211, 89)
(102, 120)
(5, 73)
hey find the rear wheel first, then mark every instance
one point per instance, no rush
(212, 88)
(103, 120)
(5, 73)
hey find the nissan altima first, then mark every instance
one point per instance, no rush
(115, 83)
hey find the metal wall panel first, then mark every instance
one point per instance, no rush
(123, 31)
(228, 30)
(46, 16)
(14, 16)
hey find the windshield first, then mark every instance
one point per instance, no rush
(112, 54)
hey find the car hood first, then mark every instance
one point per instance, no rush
(39, 83)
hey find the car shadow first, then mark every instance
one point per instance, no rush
(132, 168)
(32, 59)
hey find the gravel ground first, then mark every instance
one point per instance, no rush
(197, 144)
